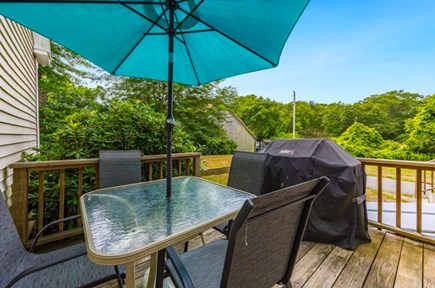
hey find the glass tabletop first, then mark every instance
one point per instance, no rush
(125, 218)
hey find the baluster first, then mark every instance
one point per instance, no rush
(380, 194)
(424, 182)
(197, 166)
(41, 201)
(150, 171)
(179, 167)
(419, 199)
(398, 197)
(188, 166)
(61, 198)
(79, 194)
(97, 177)
(431, 182)
(161, 169)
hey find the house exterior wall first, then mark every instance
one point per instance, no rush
(18, 97)
(238, 132)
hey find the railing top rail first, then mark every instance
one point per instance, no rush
(399, 163)
(76, 163)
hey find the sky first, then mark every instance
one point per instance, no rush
(347, 50)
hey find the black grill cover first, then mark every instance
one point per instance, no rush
(339, 214)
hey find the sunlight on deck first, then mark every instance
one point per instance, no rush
(388, 261)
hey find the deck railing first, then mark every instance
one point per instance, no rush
(153, 167)
(424, 183)
(424, 178)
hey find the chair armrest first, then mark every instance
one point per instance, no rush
(179, 267)
(51, 224)
(224, 228)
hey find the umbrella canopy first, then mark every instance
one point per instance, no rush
(185, 41)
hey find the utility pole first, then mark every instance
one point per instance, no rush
(294, 114)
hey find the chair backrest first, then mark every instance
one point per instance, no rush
(119, 167)
(266, 234)
(11, 247)
(247, 172)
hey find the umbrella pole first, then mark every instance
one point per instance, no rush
(170, 118)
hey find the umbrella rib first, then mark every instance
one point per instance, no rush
(154, 22)
(230, 38)
(140, 40)
(182, 32)
(167, 23)
(190, 56)
(188, 14)
(164, 14)
(196, 31)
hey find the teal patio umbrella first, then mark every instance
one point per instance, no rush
(184, 41)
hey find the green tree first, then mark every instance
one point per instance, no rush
(387, 112)
(332, 119)
(360, 140)
(266, 118)
(421, 127)
(308, 119)
(199, 110)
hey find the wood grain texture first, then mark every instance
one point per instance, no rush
(410, 271)
(304, 248)
(428, 266)
(328, 272)
(383, 271)
(356, 270)
(309, 263)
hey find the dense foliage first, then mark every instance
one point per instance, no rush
(421, 128)
(128, 113)
(77, 121)
(393, 125)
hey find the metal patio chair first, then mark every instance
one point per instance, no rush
(262, 247)
(246, 174)
(119, 167)
(67, 267)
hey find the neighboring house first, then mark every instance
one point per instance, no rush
(21, 51)
(237, 131)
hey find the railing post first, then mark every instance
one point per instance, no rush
(19, 201)
(380, 194)
(398, 197)
(197, 165)
(419, 200)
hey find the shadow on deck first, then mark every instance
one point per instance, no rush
(388, 261)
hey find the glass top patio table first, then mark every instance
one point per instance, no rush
(126, 223)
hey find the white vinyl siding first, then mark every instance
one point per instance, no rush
(18, 97)
(238, 132)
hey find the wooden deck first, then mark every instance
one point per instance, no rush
(388, 261)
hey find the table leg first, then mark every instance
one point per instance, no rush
(129, 275)
(153, 271)
(160, 268)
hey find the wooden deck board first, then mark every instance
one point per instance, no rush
(388, 261)
(428, 266)
(410, 271)
(383, 271)
(308, 264)
(328, 272)
(304, 248)
(356, 270)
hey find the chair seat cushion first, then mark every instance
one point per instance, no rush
(204, 264)
(73, 273)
